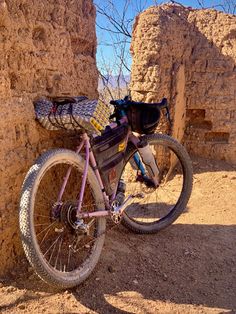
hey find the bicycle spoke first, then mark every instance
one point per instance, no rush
(37, 234)
(92, 222)
(58, 242)
(44, 237)
(58, 252)
(52, 245)
(53, 250)
(46, 224)
(159, 202)
(41, 216)
(68, 260)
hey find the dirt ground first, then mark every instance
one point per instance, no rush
(188, 268)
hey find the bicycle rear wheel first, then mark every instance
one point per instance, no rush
(61, 255)
(158, 207)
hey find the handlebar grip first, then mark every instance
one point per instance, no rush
(160, 105)
(163, 103)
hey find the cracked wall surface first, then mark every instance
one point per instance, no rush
(189, 56)
(47, 48)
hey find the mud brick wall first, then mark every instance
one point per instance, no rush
(189, 56)
(47, 47)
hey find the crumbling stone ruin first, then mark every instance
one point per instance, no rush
(189, 56)
(47, 48)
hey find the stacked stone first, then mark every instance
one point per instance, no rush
(211, 86)
(189, 56)
(47, 48)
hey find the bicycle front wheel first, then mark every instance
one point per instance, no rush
(61, 255)
(157, 208)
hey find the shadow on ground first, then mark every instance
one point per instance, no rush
(203, 165)
(184, 264)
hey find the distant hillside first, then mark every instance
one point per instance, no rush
(113, 81)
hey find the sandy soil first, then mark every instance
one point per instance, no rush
(188, 268)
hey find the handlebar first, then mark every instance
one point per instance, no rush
(125, 103)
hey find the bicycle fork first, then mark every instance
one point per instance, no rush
(148, 159)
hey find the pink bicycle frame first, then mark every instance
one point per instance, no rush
(89, 157)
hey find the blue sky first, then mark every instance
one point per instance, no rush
(105, 53)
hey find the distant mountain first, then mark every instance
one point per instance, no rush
(113, 81)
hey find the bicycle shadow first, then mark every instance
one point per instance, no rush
(185, 265)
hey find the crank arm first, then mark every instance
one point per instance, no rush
(121, 208)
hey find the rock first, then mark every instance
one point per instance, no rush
(10, 289)
(110, 269)
(22, 306)
(135, 281)
(187, 252)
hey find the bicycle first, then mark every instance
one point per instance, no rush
(143, 181)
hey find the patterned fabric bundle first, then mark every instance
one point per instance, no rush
(72, 114)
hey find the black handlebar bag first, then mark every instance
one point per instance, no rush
(143, 118)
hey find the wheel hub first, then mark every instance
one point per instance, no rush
(68, 215)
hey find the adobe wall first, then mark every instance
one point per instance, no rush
(189, 56)
(47, 47)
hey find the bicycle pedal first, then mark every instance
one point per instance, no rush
(139, 195)
(144, 179)
(116, 218)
